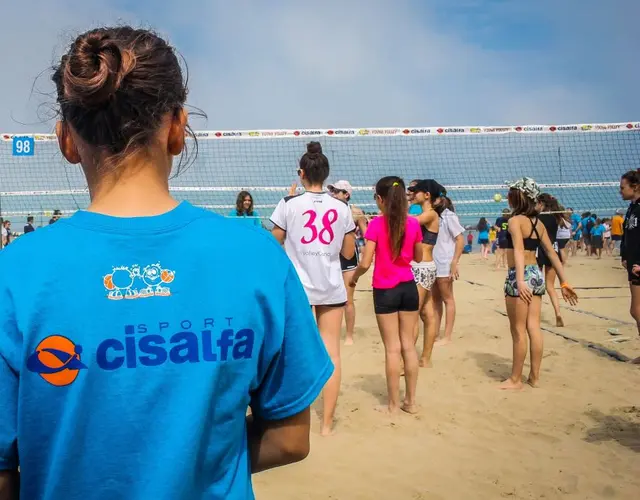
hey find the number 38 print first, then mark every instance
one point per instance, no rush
(324, 233)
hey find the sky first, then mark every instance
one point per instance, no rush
(258, 64)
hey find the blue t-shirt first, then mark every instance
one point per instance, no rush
(415, 209)
(575, 221)
(598, 230)
(129, 356)
(586, 222)
(484, 234)
(253, 220)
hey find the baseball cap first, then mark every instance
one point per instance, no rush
(341, 186)
(434, 188)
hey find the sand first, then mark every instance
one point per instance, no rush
(576, 437)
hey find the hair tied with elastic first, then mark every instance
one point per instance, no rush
(395, 184)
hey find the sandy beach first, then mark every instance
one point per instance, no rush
(575, 437)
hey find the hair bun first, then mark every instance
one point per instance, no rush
(314, 148)
(95, 69)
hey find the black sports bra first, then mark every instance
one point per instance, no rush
(429, 237)
(530, 244)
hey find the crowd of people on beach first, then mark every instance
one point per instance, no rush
(153, 355)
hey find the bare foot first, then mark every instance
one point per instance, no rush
(348, 340)
(635, 361)
(533, 382)
(387, 409)
(409, 408)
(425, 363)
(559, 321)
(327, 431)
(444, 341)
(510, 385)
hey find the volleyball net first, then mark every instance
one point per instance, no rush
(580, 164)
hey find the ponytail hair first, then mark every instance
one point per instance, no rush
(443, 203)
(551, 204)
(391, 191)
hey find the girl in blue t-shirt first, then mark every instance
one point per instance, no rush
(597, 233)
(171, 335)
(483, 237)
(244, 209)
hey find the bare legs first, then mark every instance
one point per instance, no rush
(397, 332)
(330, 323)
(564, 255)
(524, 321)
(550, 281)
(501, 258)
(427, 314)
(485, 251)
(443, 295)
(350, 310)
(635, 311)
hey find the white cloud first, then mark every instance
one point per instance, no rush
(256, 64)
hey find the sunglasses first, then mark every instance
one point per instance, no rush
(338, 191)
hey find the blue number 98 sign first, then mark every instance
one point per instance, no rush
(23, 146)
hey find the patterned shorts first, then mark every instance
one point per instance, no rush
(424, 274)
(532, 276)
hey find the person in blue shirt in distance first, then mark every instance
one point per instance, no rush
(414, 208)
(586, 223)
(244, 209)
(576, 232)
(597, 234)
(129, 358)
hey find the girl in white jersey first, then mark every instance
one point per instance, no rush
(446, 255)
(316, 229)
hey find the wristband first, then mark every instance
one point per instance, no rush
(564, 285)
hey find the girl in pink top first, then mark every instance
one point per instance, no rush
(395, 239)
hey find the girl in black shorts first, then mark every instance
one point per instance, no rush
(395, 239)
(630, 247)
(342, 190)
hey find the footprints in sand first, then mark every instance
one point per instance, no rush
(622, 425)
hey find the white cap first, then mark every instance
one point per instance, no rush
(342, 185)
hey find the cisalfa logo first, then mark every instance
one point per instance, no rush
(57, 360)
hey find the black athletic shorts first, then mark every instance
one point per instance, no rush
(502, 243)
(542, 258)
(562, 243)
(340, 304)
(633, 279)
(616, 237)
(596, 242)
(402, 297)
(349, 264)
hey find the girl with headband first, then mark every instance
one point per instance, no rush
(524, 286)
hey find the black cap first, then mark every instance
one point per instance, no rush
(434, 188)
